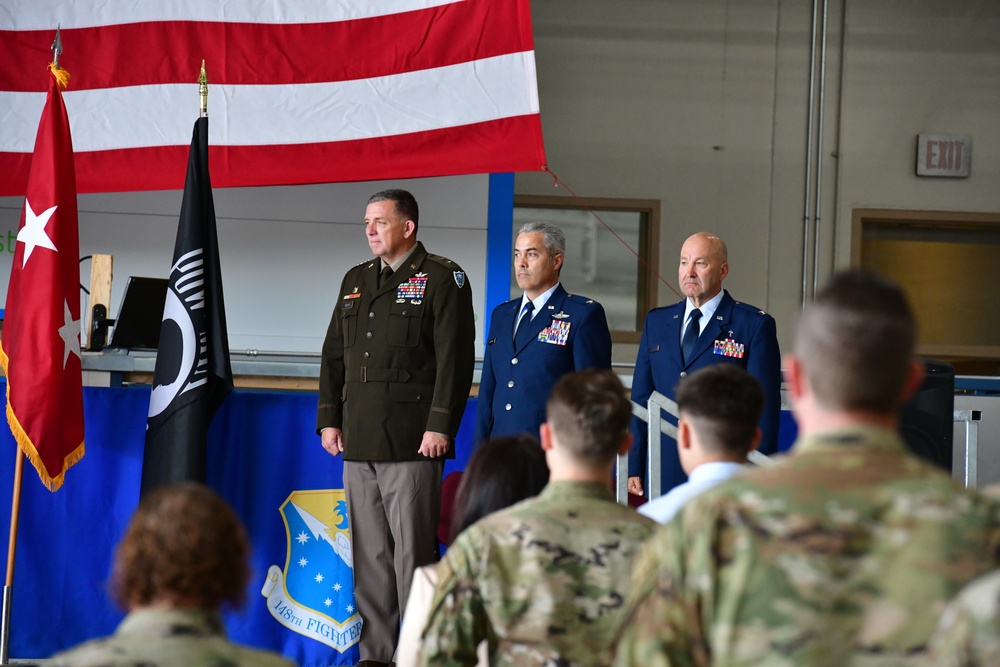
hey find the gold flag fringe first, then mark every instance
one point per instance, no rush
(26, 446)
(61, 75)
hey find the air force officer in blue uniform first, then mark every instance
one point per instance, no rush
(556, 333)
(708, 327)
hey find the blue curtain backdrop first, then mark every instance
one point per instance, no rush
(262, 449)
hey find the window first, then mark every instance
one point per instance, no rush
(948, 262)
(601, 263)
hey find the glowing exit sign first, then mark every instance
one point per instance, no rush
(948, 155)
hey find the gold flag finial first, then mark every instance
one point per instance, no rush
(60, 74)
(203, 90)
(56, 48)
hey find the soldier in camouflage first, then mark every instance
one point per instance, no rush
(969, 632)
(846, 552)
(184, 555)
(543, 581)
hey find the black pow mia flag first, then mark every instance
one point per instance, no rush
(193, 374)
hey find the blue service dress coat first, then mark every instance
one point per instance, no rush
(569, 334)
(737, 334)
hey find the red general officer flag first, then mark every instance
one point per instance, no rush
(40, 350)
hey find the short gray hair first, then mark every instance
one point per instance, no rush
(552, 237)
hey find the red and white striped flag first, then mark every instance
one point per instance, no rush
(40, 350)
(300, 91)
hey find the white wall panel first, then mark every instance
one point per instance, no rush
(284, 250)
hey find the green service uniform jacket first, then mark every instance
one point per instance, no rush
(398, 359)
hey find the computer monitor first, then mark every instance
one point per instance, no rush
(137, 326)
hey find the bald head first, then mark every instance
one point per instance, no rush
(713, 243)
(704, 264)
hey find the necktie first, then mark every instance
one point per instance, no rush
(691, 335)
(521, 333)
(384, 275)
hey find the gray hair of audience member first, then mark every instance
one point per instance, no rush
(856, 342)
(552, 237)
(589, 415)
(406, 204)
(501, 472)
(184, 547)
(723, 403)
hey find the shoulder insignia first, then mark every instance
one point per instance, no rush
(443, 261)
(577, 298)
(746, 307)
(668, 308)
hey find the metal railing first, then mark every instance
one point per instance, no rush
(656, 425)
(971, 419)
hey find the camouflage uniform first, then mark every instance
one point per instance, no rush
(167, 638)
(542, 581)
(969, 632)
(845, 553)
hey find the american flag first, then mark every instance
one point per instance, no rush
(300, 91)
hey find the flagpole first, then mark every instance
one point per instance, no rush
(197, 366)
(8, 587)
(15, 505)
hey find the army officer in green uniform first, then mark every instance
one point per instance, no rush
(394, 381)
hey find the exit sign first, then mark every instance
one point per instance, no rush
(948, 155)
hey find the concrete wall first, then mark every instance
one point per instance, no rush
(704, 106)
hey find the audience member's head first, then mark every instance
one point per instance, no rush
(184, 548)
(501, 472)
(720, 408)
(855, 345)
(587, 418)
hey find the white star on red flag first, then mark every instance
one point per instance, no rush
(33, 234)
(70, 333)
